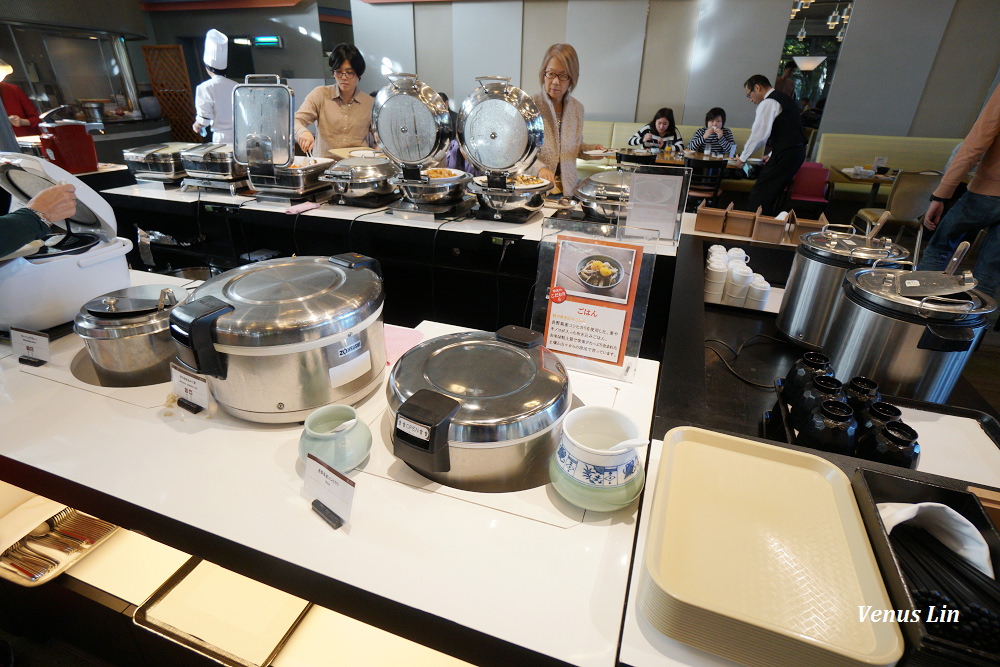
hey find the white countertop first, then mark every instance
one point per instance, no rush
(524, 567)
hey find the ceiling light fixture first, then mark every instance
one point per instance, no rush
(796, 7)
(834, 18)
(802, 32)
(846, 16)
(808, 63)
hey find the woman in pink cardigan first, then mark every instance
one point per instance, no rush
(562, 116)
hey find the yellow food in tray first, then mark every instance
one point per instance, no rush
(440, 173)
(525, 179)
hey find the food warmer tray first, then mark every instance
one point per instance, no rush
(300, 177)
(212, 161)
(157, 161)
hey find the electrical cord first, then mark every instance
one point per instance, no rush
(496, 278)
(733, 370)
(434, 240)
(350, 227)
(736, 353)
(295, 241)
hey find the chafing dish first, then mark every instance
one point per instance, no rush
(510, 199)
(604, 195)
(301, 176)
(158, 161)
(435, 190)
(360, 177)
(213, 161)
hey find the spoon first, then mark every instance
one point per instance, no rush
(878, 225)
(625, 445)
(343, 427)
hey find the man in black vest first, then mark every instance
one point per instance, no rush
(777, 117)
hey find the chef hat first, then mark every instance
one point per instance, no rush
(216, 49)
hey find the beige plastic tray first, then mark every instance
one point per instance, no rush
(758, 553)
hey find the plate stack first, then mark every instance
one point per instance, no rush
(758, 554)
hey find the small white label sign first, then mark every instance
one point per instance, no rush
(330, 487)
(413, 428)
(192, 388)
(31, 344)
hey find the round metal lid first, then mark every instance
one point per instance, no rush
(411, 122)
(499, 126)
(291, 300)
(604, 185)
(363, 169)
(23, 185)
(506, 391)
(880, 286)
(131, 311)
(851, 247)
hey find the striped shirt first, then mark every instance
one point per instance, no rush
(726, 145)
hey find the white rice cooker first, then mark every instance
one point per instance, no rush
(83, 258)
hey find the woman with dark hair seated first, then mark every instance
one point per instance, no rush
(342, 113)
(661, 132)
(715, 137)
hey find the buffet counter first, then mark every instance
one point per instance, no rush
(508, 577)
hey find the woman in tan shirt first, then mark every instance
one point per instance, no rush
(342, 113)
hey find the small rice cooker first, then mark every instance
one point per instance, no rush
(45, 285)
(479, 411)
(279, 338)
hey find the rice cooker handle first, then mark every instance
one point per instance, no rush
(519, 336)
(946, 338)
(420, 434)
(191, 327)
(352, 260)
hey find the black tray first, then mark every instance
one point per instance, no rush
(872, 487)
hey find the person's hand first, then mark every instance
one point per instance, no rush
(646, 137)
(197, 127)
(933, 215)
(17, 121)
(55, 203)
(739, 164)
(306, 141)
(764, 159)
(547, 174)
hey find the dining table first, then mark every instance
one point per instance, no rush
(851, 175)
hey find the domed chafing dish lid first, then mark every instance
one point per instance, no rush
(499, 127)
(263, 128)
(880, 287)
(292, 300)
(506, 390)
(411, 122)
(604, 185)
(362, 169)
(850, 247)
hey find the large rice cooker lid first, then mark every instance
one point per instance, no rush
(505, 391)
(23, 183)
(850, 248)
(605, 185)
(262, 122)
(411, 121)
(880, 287)
(499, 126)
(292, 300)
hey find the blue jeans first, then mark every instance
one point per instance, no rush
(970, 214)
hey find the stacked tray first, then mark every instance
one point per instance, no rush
(759, 554)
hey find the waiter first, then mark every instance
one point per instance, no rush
(777, 117)
(213, 99)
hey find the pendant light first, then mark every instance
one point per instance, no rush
(846, 16)
(802, 32)
(834, 18)
(796, 7)
(806, 3)
(841, 33)
(5, 69)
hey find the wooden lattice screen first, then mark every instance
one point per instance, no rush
(172, 87)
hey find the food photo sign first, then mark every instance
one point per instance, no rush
(595, 303)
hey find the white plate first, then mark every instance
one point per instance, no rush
(364, 152)
(596, 153)
(481, 180)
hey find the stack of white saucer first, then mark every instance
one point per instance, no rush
(729, 281)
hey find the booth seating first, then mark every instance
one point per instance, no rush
(903, 153)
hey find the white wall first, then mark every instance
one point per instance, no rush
(385, 35)
(486, 41)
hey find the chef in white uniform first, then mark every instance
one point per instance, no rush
(213, 99)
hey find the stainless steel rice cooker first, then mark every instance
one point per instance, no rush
(280, 338)
(822, 259)
(127, 334)
(479, 411)
(913, 346)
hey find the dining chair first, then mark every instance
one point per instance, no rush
(706, 180)
(908, 201)
(811, 186)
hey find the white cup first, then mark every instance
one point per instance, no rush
(754, 304)
(739, 275)
(738, 253)
(716, 248)
(758, 290)
(715, 288)
(716, 272)
(730, 300)
(713, 297)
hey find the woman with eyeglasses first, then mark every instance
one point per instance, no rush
(342, 113)
(715, 137)
(562, 116)
(661, 132)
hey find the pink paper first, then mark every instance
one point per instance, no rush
(398, 340)
(299, 208)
